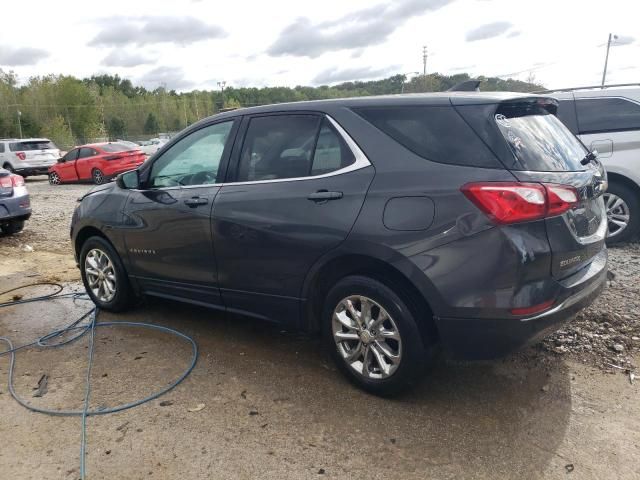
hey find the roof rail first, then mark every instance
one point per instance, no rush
(589, 87)
(466, 86)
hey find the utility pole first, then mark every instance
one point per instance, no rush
(222, 84)
(424, 60)
(606, 58)
(20, 123)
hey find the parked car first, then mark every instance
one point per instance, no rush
(473, 221)
(608, 120)
(28, 156)
(15, 205)
(96, 162)
(149, 147)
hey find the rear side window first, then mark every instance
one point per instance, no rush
(86, 152)
(436, 133)
(1, 147)
(607, 115)
(567, 114)
(538, 140)
(27, 146)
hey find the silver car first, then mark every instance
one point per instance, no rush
(15, 205)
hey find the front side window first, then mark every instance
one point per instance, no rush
(607, 115)
(72, 155)
(194, 160)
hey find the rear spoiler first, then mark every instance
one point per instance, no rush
(466, 86)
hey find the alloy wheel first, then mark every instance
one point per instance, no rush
(367, 338)
(101, 275)
(618, 214)
(98, 178)
(54, 178)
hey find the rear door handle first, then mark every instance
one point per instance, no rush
(324, 196)
(193, 202)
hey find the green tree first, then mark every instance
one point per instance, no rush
(116, 128)
(57, 130)
(151, 125)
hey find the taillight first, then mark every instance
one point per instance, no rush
(21, 155)
(17, 180)
(533, 309)
(513, 202)
(11, 181)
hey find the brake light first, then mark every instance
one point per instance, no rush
(11, 181)
(513, 202)
(21, 155)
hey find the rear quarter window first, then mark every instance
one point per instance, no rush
(607, 115)
(436, 133)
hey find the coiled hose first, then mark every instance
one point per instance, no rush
(87, 323)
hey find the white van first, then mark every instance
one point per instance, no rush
(608, 120)
(28, 156)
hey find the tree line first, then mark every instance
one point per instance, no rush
(72, 111)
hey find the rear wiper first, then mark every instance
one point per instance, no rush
(589, 157)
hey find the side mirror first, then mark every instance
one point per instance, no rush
(128, 180)
(61, 160)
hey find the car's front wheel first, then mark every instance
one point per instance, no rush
(373, 336)
(54, 178)
(623, 213)
(104, 276)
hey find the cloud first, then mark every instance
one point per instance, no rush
(13, 57)
(170, 77)
(362, 28)
(120, 31)
(333, 75)
(620, 40)
(488, 30)
(514, 33)
(122, 58)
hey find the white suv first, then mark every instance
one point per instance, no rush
(28, 156)
(608, 120)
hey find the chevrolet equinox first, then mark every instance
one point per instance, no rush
(393, 225)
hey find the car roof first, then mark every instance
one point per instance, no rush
(423, 99)
(24, 140)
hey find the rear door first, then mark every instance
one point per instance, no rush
(86, 162)
(299, 182)
(543, 150)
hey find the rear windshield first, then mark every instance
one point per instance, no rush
(32, 145)
(538, 140)
(116, 147)
(436, 133)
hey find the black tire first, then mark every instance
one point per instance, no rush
(13, 226)
(632, 199)
(97, 176)
(124, 295)
(7, 166)
(414, 357)
(54, 179)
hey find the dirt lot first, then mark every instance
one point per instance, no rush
(276, 408)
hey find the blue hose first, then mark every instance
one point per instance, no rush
(79, 331)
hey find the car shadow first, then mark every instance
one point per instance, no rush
(495, 419)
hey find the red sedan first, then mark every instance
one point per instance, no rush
(97, 162)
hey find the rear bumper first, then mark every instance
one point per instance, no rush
(482, 338)
(17, 207)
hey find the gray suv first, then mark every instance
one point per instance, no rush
(393, 225)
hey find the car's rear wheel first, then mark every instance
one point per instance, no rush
(7, 166)
(104, 276)
(97, 176)
(373, 336)
(12, 227)
(623, 210)
(54, 179)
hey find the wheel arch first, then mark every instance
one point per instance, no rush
(622, 179)
(325, 274)
(87, 232)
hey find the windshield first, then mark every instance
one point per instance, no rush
(116, 147)
(32, 145)
(538, 140)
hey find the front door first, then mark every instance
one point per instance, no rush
(297, 189)
(67, 167)
(169, 242)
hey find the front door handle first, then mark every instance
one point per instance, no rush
(322, 196)
(193, 202)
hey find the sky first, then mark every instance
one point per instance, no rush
(194, 44)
